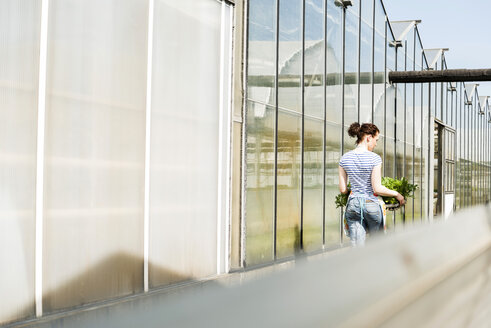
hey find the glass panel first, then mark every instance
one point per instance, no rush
(390, 136)
(418, 115)
(259, 183)
(400, 132)
(333, 155)
(390, 91)
(417, 180)
(444, 94)
(290, 55)
(260, 132)
(334, 61)
(184, 174)
(288, 189)
(409, 176)
(390, 159)
(314, 58)
(401, 96)
(19, 58)
(95, 150)
(366, 47)
(410, 94)
(351, 71)
(457, 120)
(312, 184)
(261, 48)
(379, 69)
(476, 155)
(424, 146)
(438, 100)
(236, 202)
(399, 159)
(469, 167)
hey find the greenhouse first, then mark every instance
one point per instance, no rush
(313, 68)
(148, 144)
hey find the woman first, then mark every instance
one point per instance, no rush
(363, 168)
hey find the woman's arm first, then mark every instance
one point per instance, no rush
(343, 180)
(381, 190)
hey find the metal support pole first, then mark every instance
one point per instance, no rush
(275, 187)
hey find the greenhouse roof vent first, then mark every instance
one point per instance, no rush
(402, 28)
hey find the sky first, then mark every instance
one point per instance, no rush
(463, 26)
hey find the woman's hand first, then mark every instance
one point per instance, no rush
(401, 199)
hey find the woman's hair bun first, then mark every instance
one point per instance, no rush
(354, 129)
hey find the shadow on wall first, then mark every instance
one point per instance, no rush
(116, 276)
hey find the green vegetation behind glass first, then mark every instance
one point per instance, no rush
(402, 186)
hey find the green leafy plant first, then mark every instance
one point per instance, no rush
(402, 186)
(342, 199)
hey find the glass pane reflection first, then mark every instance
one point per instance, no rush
(314, 58)
(288, 188)
(259, 182)
(334, 62)
(261, 62)
(290, 55)
(312, 184)
(366, 46)
(333, 154)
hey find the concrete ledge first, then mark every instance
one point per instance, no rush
(436, 275)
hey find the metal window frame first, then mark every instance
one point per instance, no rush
(275, 187)
(324, 151)
(343, 92)
(302, 135)
(385, 93)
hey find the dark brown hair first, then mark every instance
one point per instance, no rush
(355, 130)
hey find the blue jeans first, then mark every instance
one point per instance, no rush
(372, 219)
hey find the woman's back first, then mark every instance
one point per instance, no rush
(359, 165)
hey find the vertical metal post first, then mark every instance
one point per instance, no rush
(373, 62)
(465, 155)
(421, 168)
(41, 121)
(275, 187)
(404, 154)
(342, 113)
(441, 88)
(473, 149)
(414, 114)
(395, 116)
(456, 140)
(429, 159)
(148, 120)
(302, 141)
(451, 108)
(324, 152)
(478, 155)
(359, 62)
(404, 129)
(243, 231)
(469, 168)
(461, 142)
(476, 149)
(385, 97)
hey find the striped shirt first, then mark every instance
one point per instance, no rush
(359, 166)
